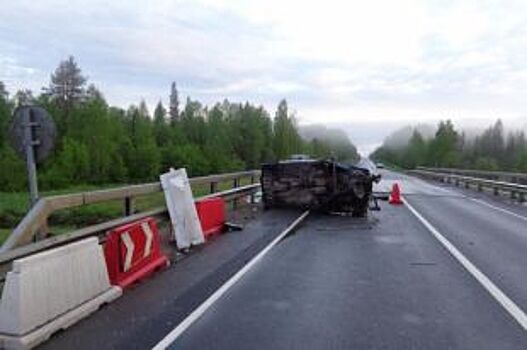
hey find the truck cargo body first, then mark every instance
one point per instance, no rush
(317, 184)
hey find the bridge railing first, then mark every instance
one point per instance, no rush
(515, 190)
(20, 242)
(514, 177)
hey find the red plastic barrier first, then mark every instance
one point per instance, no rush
(211, 213)
(133, 252)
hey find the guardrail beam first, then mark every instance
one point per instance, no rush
(39, 213)
(516, 191)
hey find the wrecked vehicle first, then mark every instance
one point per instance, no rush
(322, 185)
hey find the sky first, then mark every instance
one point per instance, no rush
(367, 67)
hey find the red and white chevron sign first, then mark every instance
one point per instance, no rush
(128, 242)
(133, 251)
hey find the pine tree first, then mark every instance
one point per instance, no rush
(143, 110)
(161, 131)
(174, 103)
(143, 157)
(5, 113)
(286, 138)
(67, 86)
(444, 148)
(24, 98)
(415, 152)
(3, 92)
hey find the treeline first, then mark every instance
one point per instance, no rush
(98, 143)
(492, 149)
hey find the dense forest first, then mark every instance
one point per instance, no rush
(491, 149)
(98, 143)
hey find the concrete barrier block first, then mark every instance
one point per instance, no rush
(51, 290)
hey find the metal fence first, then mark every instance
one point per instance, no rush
(517, 191)
(504, 176)
(21, 242)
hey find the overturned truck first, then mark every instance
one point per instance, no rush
(317, 184)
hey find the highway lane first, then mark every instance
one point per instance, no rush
(150, 309)
(494, 241)
(386, 283)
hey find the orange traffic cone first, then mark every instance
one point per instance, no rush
(395, 196)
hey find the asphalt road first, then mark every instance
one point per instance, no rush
(382, 283)
(150, 309)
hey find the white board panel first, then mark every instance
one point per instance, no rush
(180, 204)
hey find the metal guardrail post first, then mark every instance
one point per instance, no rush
(213, 187)
(235, 183)
(252, 194)
(128, 206)
(42, 232)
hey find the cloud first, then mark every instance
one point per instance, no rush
(335, 61)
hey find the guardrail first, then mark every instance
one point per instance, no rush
(513, 177)
(516, 191)
(37, 217)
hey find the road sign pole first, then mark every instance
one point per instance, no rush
(30, 156)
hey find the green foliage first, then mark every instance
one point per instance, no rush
(416, 151)
(141, 153)
(99, 144)
(5, 115)
(161, 131)
(12, 170)
(443, 150)
(191, 157)
(286, 138)
(72, 166)
(486, 163)
(323, 142)
(491, 150)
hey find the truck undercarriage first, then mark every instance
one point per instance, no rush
(317, 184)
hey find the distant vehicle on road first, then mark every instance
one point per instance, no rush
(379, 165)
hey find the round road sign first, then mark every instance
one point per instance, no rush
(43, 131)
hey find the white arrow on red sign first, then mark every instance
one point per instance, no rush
(130, 246)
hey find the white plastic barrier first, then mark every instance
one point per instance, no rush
(180, 204)
(52, 290)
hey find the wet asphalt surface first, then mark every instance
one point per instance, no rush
(337, 283)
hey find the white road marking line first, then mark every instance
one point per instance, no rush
(200, 310)
(498, 208)
(513, 309)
